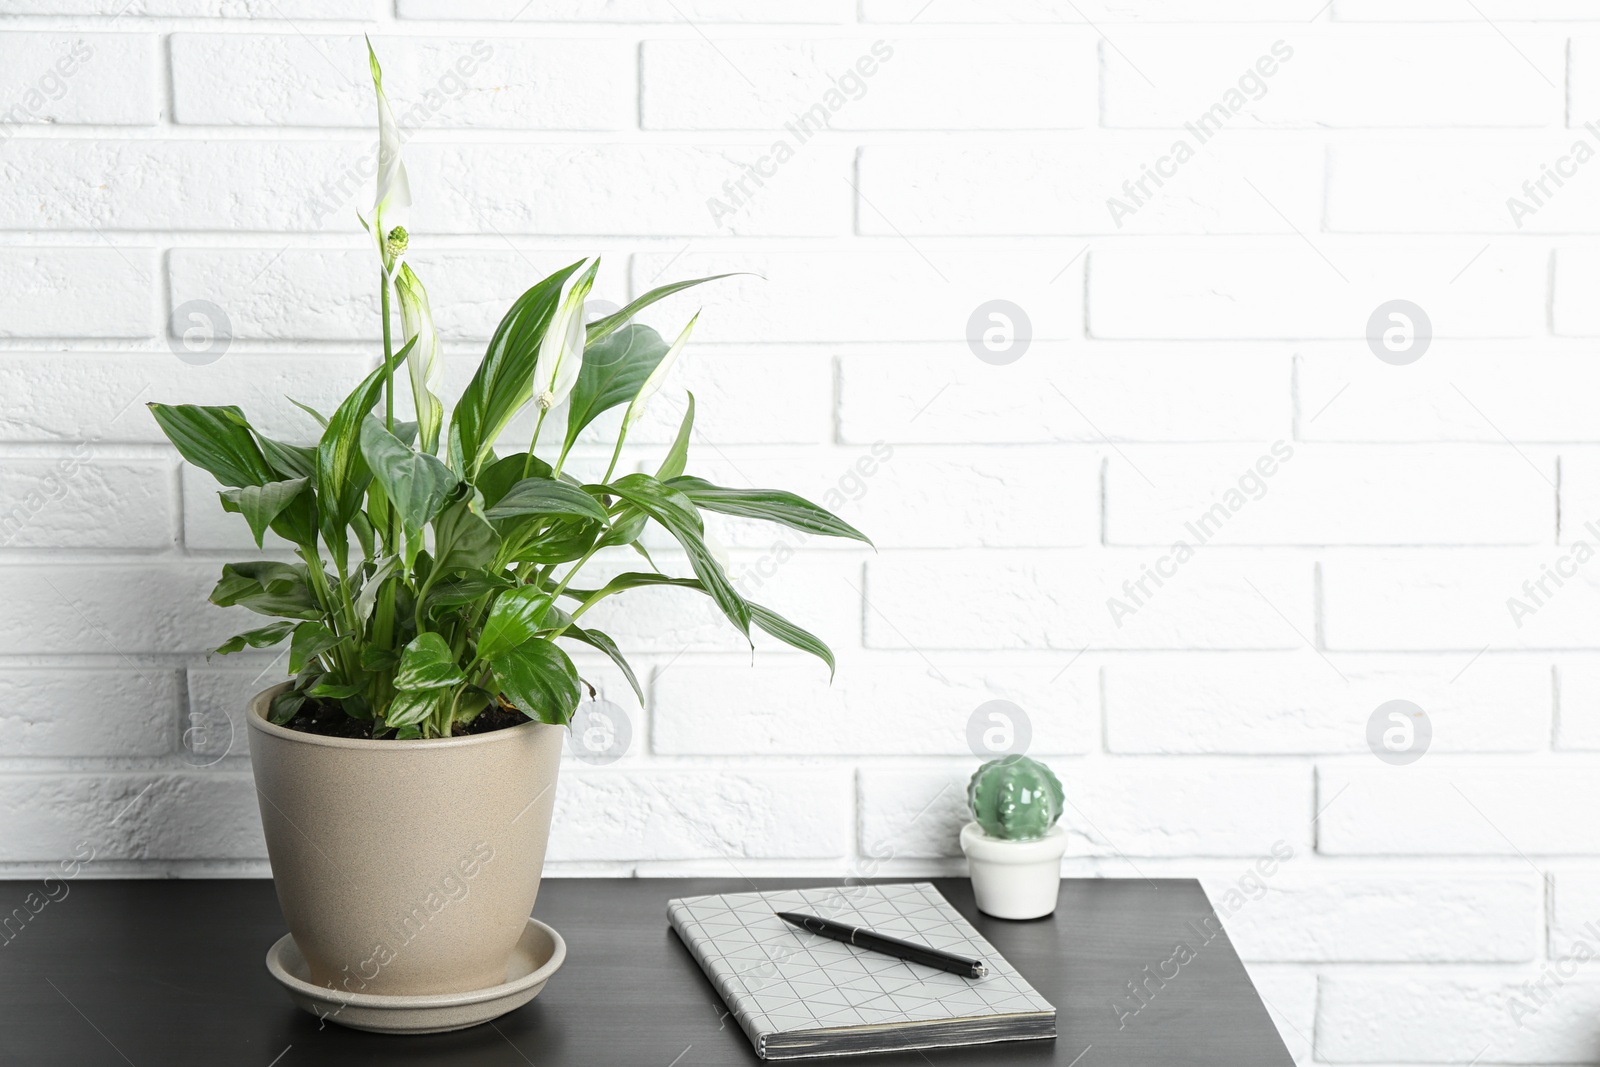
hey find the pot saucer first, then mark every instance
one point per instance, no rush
(539, 954)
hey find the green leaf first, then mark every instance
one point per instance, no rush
(765, 618)
(416, 484)
(790, 634)
(539, 680)
(329, 689)
(773, 505)
(311, 639)
(678, 454)
(601, 641)
(496, 480)
(674, 511)
(262, 504)
(514, 619)
(367, 599)
(286, 460)
(541, 496)
(267, 588)
(265, 637)
(466, 589)
(427, 663)
(285, 706)
(322, 420)
(216, 439)
(601, 328)
(504, 379)
(613, 370)
(342, 473)
(410, 707)
(463, 539)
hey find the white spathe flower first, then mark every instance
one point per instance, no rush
(653, 383)
(424, 361)
(391, 207)
(561, 349)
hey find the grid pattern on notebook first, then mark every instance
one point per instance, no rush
(777, 978)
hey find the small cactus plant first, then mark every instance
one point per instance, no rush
(1015, 798)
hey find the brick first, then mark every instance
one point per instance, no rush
(985, 189)
(920, 498)
(131, 817)
(650, 190)
(1129, 810)
(299, 294)
(883, 705)
(670, 11)
(1474, 80)
(1283, 494)
(101, 79)
(443, 83)
(1083, 12)
(1580, 496)
(863, 84)
(1020, 600)
(78, 292)
(1448, 11)
(229, 9)
(870, 295)
(636, 814)
(1572, 314)
(1461, 391)
(314, 186)
(119, 609)
(99, 397)
(79, 500)
(1574, 914)
(1463, 600)
(73, 711)
(1284, 291)
(1578, 705)
(1465, 811)
(1478, 186)
(1433, 1018)
(1283, 704)
(1385, 918)
(1094, 392)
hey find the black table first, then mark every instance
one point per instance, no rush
(170, 973)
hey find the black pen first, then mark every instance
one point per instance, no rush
(889, 946)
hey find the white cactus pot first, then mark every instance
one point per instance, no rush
(1014, 879)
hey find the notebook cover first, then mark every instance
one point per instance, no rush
(798, 995)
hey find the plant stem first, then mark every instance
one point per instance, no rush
(388, 354)
(615, 454)
(527, 464)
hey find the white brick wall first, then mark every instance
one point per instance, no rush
(1426, 539)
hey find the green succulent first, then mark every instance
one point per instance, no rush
(1015, 798)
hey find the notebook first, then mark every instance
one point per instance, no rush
(797, 995)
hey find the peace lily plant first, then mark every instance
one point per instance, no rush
(431, 584)
(437, 587)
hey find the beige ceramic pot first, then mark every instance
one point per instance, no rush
(405, 867)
